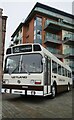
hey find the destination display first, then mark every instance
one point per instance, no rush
(22, 48)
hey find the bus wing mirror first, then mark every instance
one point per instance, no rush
(43, 60)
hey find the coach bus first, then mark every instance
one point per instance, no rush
(30, 69)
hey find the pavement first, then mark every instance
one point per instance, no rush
(15, 106)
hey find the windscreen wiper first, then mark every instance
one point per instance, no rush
(15, 69)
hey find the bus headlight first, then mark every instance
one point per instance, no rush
(32, 81)
(35, 81)
(6, 81)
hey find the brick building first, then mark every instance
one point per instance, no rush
(52, 28)
(2, 39)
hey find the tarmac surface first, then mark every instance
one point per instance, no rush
(15, 106)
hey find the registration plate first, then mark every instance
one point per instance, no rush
(15, 91)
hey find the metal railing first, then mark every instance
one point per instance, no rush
(60, 24)
(53, 50)
(53, 38)
(69, 51)
(69, 37)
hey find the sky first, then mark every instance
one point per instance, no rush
(18, 10)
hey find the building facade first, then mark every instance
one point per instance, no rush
(52, 28)
(2, 40)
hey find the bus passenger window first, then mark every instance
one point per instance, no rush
(59, 69)
(69, 74)
(54, 67)
(63, 71)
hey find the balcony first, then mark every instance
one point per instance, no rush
(69, 39)
(56, 26)
(69, 53)
(53, 38)
(55, 51)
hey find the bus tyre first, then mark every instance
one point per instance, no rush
(53, 91)
(68, 87)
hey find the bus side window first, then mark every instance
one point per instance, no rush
(59, 69)
(45, 71)
(54, 67)
(65, 72)
(69, 74)
(49, 71)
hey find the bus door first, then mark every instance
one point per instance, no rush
(47, 75)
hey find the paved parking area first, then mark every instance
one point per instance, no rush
(15, 106)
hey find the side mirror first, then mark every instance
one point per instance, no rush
(43, 60)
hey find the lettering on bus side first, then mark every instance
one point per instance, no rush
(61, 80)
(18, 76)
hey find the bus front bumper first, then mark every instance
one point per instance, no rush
(23, 90)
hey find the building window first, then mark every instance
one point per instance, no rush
(38, 30)
(34, 22)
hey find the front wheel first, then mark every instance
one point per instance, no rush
(53, 91)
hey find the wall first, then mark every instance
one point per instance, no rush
(0, 45)
(0, 60)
